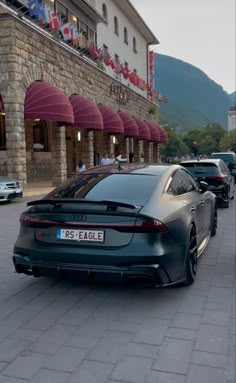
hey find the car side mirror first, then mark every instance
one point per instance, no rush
(203, 186)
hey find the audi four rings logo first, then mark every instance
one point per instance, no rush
(78, 218)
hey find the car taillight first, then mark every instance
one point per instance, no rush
(215, 178)
(144, 226)
(27, 220)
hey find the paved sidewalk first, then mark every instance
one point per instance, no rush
(66, 332)
(37, 189)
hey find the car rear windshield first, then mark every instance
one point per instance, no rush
(129, 188)
(227, 157)
(202, 169)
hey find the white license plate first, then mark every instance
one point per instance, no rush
(81, 235)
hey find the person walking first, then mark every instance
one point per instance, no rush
(80, 167)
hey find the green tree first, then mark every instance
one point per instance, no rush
(228, 141)
(175, 146)
(191, 140)
(209, 138)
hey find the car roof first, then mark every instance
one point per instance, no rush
(135, 168)
(207, 160)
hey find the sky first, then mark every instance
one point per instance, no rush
(199, 32)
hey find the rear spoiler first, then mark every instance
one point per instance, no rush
(58, 202)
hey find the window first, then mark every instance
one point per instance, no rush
(83, 28)
(2, 132)
(134, 45)
(117, 59)
(62, 12)
(181, 183)
(125, 36)
(104, 11)
(40, 136)
(116, 26)
(109, 187)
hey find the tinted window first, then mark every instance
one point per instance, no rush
(227, 157)
(201, 169)
(190, 181)
(180, 184)
(130, 188)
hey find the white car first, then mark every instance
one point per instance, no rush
(9, 189)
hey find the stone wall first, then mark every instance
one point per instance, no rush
(27, 56)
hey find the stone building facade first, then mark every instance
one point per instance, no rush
(28, 55)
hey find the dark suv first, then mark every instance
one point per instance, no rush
(216, 173)
(229, 158)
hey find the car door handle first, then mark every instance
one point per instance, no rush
(193, 209)
(202, 202)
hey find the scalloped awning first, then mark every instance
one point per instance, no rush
(86, 113)
(163, 135)
(112, 122)
(47, 102)
(154, 132)
(130, 125)
(144, 132)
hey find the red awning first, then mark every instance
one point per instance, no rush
(47, 102)
(130, 125)
(1, 105)
(163, 135)
(144, 132)
(112, 122)
(155, 137)
(86, 113)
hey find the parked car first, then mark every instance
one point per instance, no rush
(149, 221)
(9, 189)
(229, 158)
(216, 173)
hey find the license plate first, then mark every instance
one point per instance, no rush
(81, 235)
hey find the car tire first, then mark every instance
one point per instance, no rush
(214, 222)
(191, 258)
(226, 200)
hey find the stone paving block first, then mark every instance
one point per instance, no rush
(11, 348)
(181, 333)
(174, 356)
(209, 359)
(24, 367)
(5, 331)
(81, 341)
(26, 334)
(187, 321)
(91, 372)
(212, 339)
(205, 374)
(7, 379)
(50, 376)
(38, 324)
(231, 369)
(132, 369)
(219, 294)
(141, 349)
(192, 305)
(52, 339)
(3, 365)
(165, 377)
(66, 359)
(152, 331)
(220, 318)
(110, 348)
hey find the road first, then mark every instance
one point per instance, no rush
(55, 331)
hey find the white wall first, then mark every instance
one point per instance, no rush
(116, 45)
(231, 120)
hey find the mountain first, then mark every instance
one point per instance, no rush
(194, 100)
(232, 98)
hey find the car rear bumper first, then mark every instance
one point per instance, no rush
(155, 274)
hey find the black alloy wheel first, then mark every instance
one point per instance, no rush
(226, 199)
(191, 259)
(214, 223)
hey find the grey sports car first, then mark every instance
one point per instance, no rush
(135, 221)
